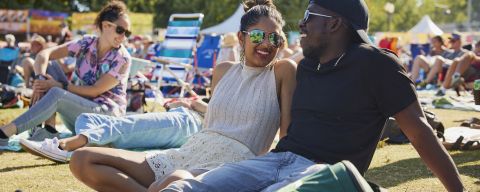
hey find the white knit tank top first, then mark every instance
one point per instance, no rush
(244, 107)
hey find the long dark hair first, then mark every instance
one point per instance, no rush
(439, 39)
(254, 10)
(111, 12)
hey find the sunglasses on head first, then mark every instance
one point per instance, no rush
(120, 30)
(257, 36)
(308, 13)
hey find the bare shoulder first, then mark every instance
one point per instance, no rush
(221, 68)
(285, 67)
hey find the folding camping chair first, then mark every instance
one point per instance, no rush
(205, 60)
(175, 57)
(8, 57)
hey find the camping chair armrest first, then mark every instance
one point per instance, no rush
(168, 62)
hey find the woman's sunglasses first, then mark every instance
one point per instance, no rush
(257, 36)
(120, 30)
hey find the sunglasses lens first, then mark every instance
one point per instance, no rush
(256, 36)
(120, 30)
(127, 33)
(274, 39)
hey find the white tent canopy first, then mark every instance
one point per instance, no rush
(426, 26)
(232, 24)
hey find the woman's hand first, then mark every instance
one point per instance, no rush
(180, 103)
(36, 96)
(45, 85)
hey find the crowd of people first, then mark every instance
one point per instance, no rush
(445, 68)
(327, 96)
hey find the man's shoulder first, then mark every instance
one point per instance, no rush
(374, 55)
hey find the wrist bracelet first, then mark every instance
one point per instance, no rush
(40, 77)
(65, 86)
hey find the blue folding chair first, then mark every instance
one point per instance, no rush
(416, 50)
(176, 54)
(8, 56)
(205, 60)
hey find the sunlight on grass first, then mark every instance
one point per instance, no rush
(396, 167)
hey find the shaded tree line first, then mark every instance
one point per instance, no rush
(407, 12)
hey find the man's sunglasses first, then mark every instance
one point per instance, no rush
(257, 36)
(120, 30)
(308, 13)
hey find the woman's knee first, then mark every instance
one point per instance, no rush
(80, 161)
(56, 91)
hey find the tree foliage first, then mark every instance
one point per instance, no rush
(407, 12)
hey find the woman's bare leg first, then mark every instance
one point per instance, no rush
(419, 62)
(107, 169)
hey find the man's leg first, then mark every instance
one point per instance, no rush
(250, 175)
(106, 169)
(451, 70)
(467, 61)
(27, 65)
(419, 62)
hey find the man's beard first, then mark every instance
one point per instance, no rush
(314, 53)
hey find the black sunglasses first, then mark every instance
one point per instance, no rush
(120, 30)
(257, 36)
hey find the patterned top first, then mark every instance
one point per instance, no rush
(245, 107)
(89, 69)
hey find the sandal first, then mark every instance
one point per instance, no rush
(471, 145)
(453, 146)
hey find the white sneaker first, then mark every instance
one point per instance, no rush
(47, 148)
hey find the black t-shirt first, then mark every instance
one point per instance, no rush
(338, 112)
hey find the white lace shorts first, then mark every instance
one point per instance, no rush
(203, 151)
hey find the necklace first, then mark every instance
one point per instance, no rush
(334, 65)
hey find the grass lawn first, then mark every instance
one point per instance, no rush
(396, 167)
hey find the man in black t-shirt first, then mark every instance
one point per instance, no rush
(346, 89)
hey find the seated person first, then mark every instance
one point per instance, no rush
(37, 44)
(250, 101)
(162, 130)
(100, 85)
(8, 55)
(465, 69)
(346, 90)
(440, 61)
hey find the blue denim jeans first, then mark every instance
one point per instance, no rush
(150, 130)
(269, 172)
(68, 105)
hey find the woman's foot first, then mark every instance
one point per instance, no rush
(49, 148)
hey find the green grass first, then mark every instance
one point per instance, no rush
(396, 167)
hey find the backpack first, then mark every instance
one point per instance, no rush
(8, 98)
(393, 134)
